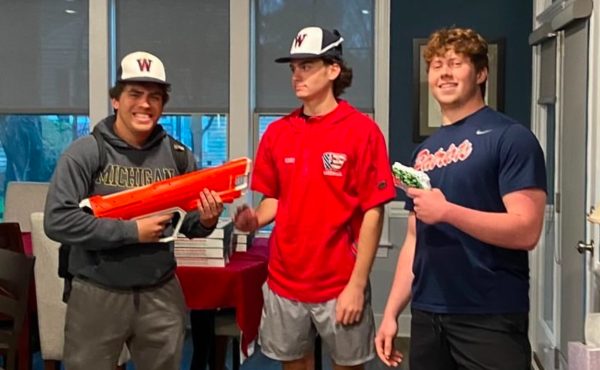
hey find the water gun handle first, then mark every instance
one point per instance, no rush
(176, 228)
(179, 211)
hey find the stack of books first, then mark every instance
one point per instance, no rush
(213, 250)
(242, 240)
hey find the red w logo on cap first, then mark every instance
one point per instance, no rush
(299, 40)
(144, 64)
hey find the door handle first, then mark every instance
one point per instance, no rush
(583, 247)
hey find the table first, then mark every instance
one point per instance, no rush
(238, 285)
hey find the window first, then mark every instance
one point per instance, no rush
(204, 134)
(276, 25)
(264, 121)
(192, 40)
(44, 92)
(52, 104)
(32, 144)
(44, 56)
(196, 63)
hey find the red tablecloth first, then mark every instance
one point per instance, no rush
(238, 285)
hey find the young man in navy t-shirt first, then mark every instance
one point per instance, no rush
(464, 260)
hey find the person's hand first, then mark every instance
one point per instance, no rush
(430, 206)
(384, 342)
(349, 305)
(245, 219)
(210, 207)
(150, 229)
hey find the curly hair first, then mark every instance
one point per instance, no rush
(464, 41)
(344, 80)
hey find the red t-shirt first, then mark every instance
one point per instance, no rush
(325, 173)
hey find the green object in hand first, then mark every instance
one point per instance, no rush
(407, 177)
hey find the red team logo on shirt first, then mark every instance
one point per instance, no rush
(333, 163)
(426, 161)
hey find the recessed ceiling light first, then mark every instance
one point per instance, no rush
(70, 11)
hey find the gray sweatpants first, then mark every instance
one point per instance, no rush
(99, 321)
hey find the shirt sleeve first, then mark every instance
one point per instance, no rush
(67, 223)
(374, 173)
(264, 172)
(521, 164)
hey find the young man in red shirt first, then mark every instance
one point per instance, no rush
(325, 176)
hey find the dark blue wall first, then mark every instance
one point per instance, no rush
(510, 20)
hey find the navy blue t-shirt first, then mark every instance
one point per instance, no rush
(474, 162)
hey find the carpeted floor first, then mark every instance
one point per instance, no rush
(258, 361)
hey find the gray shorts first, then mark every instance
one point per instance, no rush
(288, 329)
(100, 320)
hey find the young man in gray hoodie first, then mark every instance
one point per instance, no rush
(124, 288)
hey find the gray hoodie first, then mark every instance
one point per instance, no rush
(106, 251)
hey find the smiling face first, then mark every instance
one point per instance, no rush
(454, 81)
(139, 106)
(312, 79)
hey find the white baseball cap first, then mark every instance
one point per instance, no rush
(141, 66)
(314, 42)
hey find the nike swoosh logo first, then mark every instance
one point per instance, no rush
(482, 132)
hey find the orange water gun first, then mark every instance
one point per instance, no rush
(178, 194)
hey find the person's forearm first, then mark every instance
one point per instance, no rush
(514, 229)
(73, 226)
(193, 228)
(266, 211)
(368, 242)
(400, 291)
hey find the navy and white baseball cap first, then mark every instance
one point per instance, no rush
(314, 42)
(141, 66)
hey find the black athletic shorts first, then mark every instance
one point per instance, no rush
(461, 342)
